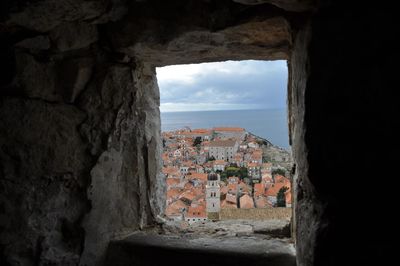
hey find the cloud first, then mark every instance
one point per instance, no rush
(223, 86)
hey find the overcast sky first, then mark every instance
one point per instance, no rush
(230, 85)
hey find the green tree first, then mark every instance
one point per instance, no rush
(279, 171)
(243, 172)
(197, 141)
(212, 158)
(280, 197)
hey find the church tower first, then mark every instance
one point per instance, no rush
(213, 193)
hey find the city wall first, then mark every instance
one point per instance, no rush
(256, 214)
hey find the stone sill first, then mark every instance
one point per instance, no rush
(145, 248)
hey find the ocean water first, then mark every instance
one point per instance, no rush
(269, 124)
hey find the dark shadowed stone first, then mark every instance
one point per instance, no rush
(72, 77)
(35, 44)
(44, 15)
(260, 39)
(52, 80)
(43, 188)
(73, 35)
(37, 79)
(152, 249)
(290, 5)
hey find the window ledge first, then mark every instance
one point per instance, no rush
(144, 248)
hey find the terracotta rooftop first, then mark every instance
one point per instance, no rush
(199, 176)
(229, 129)
(219, 162)
(196, 212)
(253, 165)
(246, 202)
(172, 181)
(173, 192)
(274, 189)
(222, 143)
(262, 202)
(258, 189)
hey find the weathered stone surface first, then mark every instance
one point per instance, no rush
(290, 5)
(42, 187)
(36, 79)
(263, 39)
(63, 129)
(73, 35)
(152, 249)
(272, 228)
(45, 15)
(52, 80)
(35, 44)
(124, 127)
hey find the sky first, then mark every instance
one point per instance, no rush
(229, 85)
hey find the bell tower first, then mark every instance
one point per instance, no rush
(213, 193)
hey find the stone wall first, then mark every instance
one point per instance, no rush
(80, 157)
(256, 214)
(79, 146)
(343, 76)
(79, 119)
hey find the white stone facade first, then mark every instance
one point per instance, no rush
(223, 150)
(213, 193)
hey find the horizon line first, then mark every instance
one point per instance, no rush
(256, 109)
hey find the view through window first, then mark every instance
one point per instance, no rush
(226, 155)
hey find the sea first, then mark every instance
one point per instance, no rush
(270, 124)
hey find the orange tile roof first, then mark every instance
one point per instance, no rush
(274, 189)
(222, 143)
(199, 176)
(188, 186)
(227, 205)
(219, 162)
(246, 202)
(253, 165)
(224, 190)
(228, 129)
(262, 202)
(233, 187)
(258, 189)
(196, 212)
(172, 181)
(279, 178)
(173, 193)
(170, 170)
(190, 195)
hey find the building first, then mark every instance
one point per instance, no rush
(223, 149)
(230, 132)
(219, 165)
(213, 193)
(196, 214)
(254, 171)
(246, 202)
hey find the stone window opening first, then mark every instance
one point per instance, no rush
(257, 200)
(103, 90)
